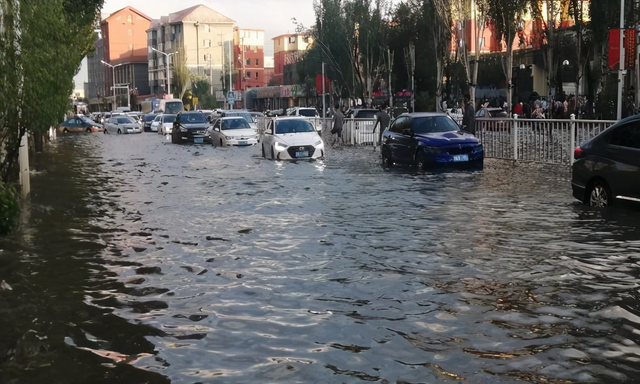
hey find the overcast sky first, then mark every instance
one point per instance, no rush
(273, 16)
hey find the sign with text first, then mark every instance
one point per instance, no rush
(630, 48)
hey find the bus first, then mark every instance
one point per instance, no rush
(170, 106)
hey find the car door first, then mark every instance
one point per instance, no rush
(399, 140)
(623, 150)
(215, 132)
(268, 138)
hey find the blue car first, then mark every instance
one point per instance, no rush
(426, 140)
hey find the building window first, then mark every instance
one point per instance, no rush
(129, 19)
(257, 62)
(292, 39)
(256, 75)
(248, 61)
(249, 75)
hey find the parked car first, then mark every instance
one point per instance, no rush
(190, 126)
(427, 139)
(163, 123)
(303, 111)
(362, 113)
(235, 130)
(146, 120)
(607, 167)
(242, 113)
(291, 138)
(79, 124)
(121, 124)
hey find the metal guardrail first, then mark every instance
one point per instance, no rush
(536, 140)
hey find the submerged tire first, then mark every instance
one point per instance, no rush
(599, 194)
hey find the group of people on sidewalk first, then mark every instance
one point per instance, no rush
(382, 120)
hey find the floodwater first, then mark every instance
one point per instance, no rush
(139, 261)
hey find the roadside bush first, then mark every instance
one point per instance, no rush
(9, 208)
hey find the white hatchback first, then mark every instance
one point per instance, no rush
(163, 124)
(291, 138)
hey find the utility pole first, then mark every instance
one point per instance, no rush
(621, 70)
(389, 89)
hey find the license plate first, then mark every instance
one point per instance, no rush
(197, 140)
(242, 143)
(457, 158)
(302, 154)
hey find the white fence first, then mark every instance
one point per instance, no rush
(536, 140)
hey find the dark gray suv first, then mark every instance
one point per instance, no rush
(190, 127)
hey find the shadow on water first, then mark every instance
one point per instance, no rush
(52, 329)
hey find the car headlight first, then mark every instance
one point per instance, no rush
(279, 146)
(433, 150)
(182, 129)
(317, 143)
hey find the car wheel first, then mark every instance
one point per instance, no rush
(387, 162)
(263, 154)
(599, 195)
(273, 154)
(420, 161)
(119, 132)
(174, 139)
(88, 130)
(65, 130)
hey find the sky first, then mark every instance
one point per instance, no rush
(273, 16)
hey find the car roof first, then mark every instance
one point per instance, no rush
(423, 114)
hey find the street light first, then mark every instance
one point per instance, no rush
(113, 78)
(168, 59)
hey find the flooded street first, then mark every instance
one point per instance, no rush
(141, 261)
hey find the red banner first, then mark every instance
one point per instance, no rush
(327, 84)
(630, 48)
(614, 49)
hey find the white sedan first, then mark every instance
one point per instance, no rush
(121, 124)
(232, 131)
(290, 138)
(163, 124)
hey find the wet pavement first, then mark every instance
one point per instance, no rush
(143, 261)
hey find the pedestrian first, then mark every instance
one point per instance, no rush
(382, 119)
(338, 121)
(469, 115)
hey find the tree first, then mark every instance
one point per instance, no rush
(508, 16)
(181, 73)
(42, 47)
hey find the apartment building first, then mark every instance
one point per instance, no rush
(124, 41)
(201, 38)
(288, 50)
(249, 51)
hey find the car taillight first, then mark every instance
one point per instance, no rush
(578, 153)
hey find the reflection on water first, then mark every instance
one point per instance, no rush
(144, 261)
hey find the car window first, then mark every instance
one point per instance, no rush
(433, 124)
(307, 112)
(235, 124)
(366, 114)
(193, 118)
(124, 120)
(168, 118)
(399, 124)
(626, 136)
(247, 116)
(293, 126)
(158, 118)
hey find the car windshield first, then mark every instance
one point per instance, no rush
(247, 116)
(366, 115)
(149, 117)
(235, 124)
(433, 124)
(193, 118)
(309, 112)
(124, 120)
(168, 118)
(293, 126)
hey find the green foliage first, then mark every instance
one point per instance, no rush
(52, 37)
(9, 208)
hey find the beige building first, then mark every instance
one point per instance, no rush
(207, 38)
